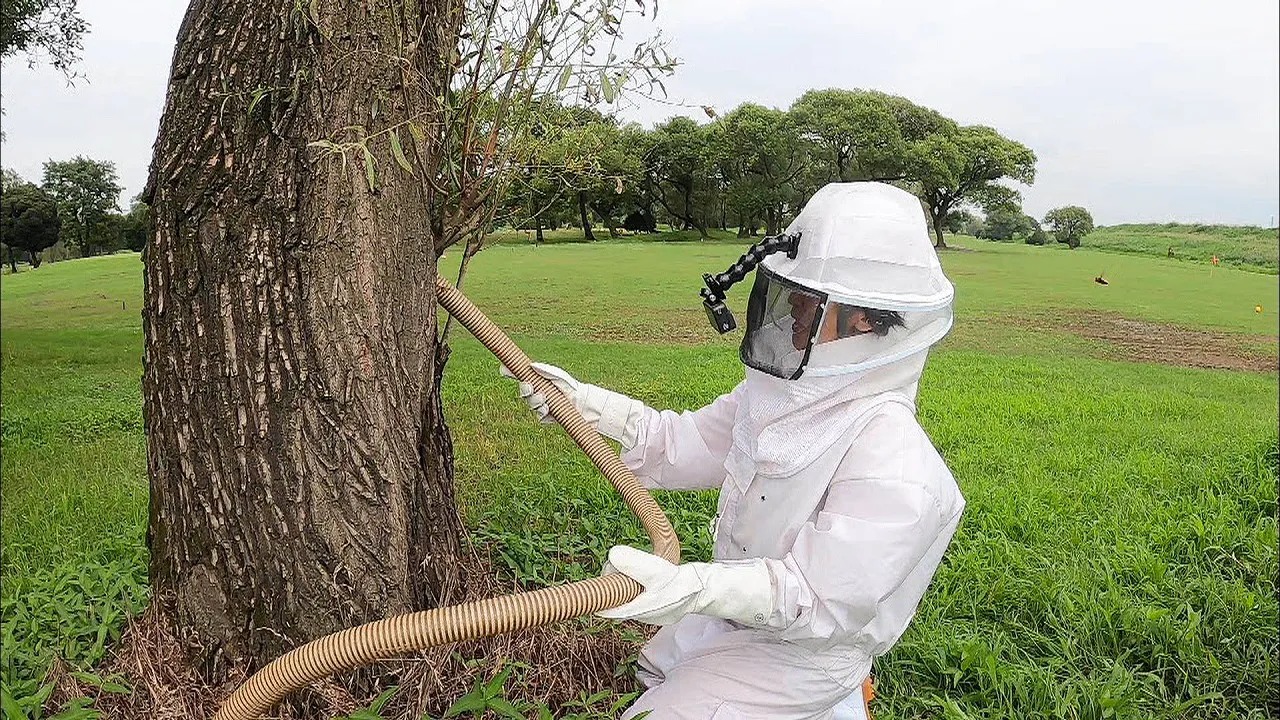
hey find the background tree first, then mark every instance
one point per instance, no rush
(135, 226)
(925, 134)
(538, 195)
(28, 222)
(854, 130)
(1069, 224)
(679, 168)
(617, 190)
(967, 167)
(1005, 224)
(86, 191)
(961, 222)
(637, 145)
(1037, 236)
(760, 156)
(119, 231)
(9, 178)
(589, 141)
(303, 185)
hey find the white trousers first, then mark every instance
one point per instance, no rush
(853, 707)
(702, 668)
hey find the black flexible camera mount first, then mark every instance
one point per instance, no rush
(717, 285)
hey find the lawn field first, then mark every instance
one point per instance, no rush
(1116, 445)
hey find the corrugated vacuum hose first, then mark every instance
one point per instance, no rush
(368, 643)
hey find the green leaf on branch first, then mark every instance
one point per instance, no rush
(398, 152)
(610, 92)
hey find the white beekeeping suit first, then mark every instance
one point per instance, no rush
(834, 510)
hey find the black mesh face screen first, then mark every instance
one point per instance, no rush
(782, 321)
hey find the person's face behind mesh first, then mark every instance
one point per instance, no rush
(840, 321)
(804, 308)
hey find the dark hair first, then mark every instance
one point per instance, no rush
(881, 320)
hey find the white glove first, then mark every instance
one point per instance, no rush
(614, 415)
(739, 590)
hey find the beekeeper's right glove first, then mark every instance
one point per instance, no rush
(738, 590)
(614, 415)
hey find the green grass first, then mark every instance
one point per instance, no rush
(560, 236)
(73, 467)
(1117, 558)
(1244, 246)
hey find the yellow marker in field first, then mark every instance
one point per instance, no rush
(1257, 308)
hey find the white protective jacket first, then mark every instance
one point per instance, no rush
(851, 540)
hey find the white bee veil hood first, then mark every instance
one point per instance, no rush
(861, 244)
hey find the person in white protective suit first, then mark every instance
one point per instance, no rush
(834, 508)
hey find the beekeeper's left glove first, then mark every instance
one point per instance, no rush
(739, 590)
(612, 414)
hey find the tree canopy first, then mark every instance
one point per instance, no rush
(559, 164)
(86, 192)
(967, 167)
(28, 220)
(754, 166)
(52, 28)
(855, 131)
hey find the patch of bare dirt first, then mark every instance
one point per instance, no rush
(555, 665)
(1146, 341)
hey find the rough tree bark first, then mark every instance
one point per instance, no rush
(300, 467)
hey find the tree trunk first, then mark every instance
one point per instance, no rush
(13, 261)
(537, 234)
(582, 214)
(937, 214)
(33, 257)
(299, 465)
(85, 250)
(771, 221)
(606, 216)
(743, 230)
(940, 243)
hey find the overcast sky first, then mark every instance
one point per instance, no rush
(1137, 109)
